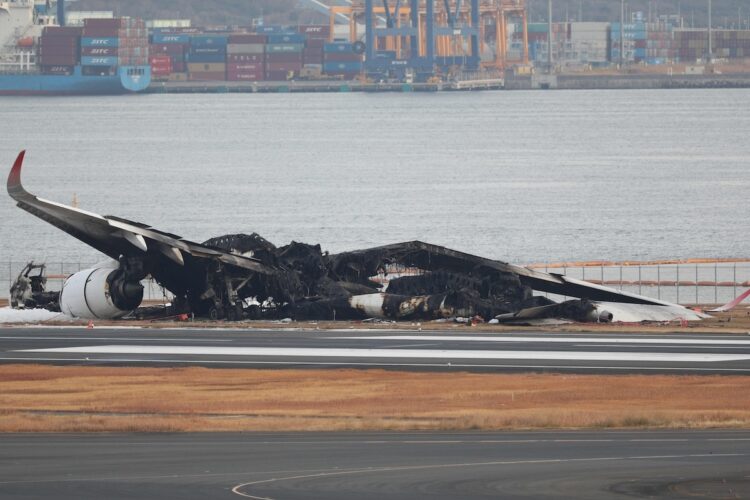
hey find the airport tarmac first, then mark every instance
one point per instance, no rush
(403, 350)
(583, 465)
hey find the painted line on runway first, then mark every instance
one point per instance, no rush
(316, 352)
(665, 345)
(329, 364)
(237, 489)
(551, 339)
(126, 339)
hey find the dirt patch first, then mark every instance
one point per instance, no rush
(38, 398)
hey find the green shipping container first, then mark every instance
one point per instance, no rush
(284, 47)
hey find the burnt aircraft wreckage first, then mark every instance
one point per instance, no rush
(245, 276)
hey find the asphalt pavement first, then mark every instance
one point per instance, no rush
(582, 465)
(404, 350)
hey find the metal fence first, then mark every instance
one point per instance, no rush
(685, 283)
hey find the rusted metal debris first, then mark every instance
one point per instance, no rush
(28, 291)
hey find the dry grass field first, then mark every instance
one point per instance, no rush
(74, 398)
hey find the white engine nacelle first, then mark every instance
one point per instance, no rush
(100, 293)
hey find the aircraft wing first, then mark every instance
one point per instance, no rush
(117, 237)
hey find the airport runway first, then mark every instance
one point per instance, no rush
(582, 465)
(404, 350)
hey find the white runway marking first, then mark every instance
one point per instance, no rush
(551, 339)
(396, 353)
(374, 470)
(328, 364)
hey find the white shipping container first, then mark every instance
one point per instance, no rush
(588, 31)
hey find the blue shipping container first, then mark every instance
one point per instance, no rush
(206, 58)
(338, 47)
(272, 29)
(385, 55)
(99, 61)
(100, 42)
(161, 38)
(286, 38)
(342, 67)
(208, 40)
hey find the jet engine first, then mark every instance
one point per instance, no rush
(101, 292)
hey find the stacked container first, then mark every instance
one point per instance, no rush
(246, 58)
(106, 43)
(317, 35)
(339, 59)
(284, 55)
(207, 57)
(634, 42)
(174, 45)
(58, 50)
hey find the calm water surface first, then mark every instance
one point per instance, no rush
(518, 176)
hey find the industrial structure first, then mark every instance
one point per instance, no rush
(424, 35)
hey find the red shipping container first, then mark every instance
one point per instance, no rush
(315, 43)
(245, 67)
(116, 23)
(179, 67)
(271, 67)
(319, 31)
(55, 60)
(57, 51)
(207, 76)
(235, 76)
(167, 48)
(342, 57)
(98, 51)
(284, 57)
(103, 32)
(59, 41)
(60, 31)
(245, 39)
(237, 58)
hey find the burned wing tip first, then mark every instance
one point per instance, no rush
(14, 178)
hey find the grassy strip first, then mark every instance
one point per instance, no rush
(40, 398)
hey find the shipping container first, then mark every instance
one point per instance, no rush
(247, 39)
(295, 38)
(99, 51)
(61, 31)
(207, 76)
(246, 67)
(342, 57)
(283, 66)
(206, 67)
(59, 41)
(99, 61)
(205, 58)
(168, 48)
(284, 57)
(163, 38)
(208, 50)
(284, 47)
(99, 42)
(315, 31)
(244, 76)
(53, 50)
(272, 29)
(338, 47)
(238, 58)
(57, 70)
(246, 48)
(208, 41)
(58, 60)
(342, 67)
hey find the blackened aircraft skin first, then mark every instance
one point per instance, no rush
(305, 283)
